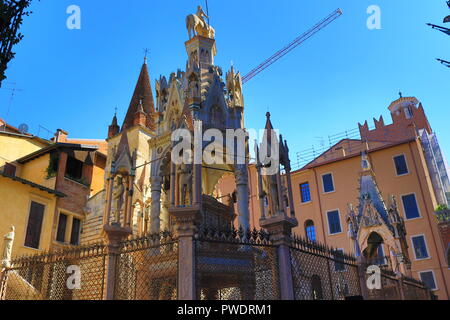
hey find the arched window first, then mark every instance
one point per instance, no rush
(316, 288)
(310, 230)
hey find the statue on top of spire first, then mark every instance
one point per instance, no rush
(198, 26)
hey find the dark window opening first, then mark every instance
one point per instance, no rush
(339, 260)
(420, 247)
(75, 236)
(74, 169)
(9, 170)
(328, 185)
(53, 165)
(428, 279)
(61, 234)
(34, 227)
(316, 288)
(334, 222)
(400, 165)
(410, 206)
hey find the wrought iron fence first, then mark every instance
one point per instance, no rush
(415, 289)
(147, 268)
(48, 276)
(390, 287)
(321, 273)
(236, 265)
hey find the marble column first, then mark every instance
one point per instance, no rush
(156, 204)
(242, 196)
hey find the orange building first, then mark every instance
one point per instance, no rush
(406, 163)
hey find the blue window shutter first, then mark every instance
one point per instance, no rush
(328, 183)
(305, 192)
(420, 247)
(400, 165)
(334, 222)
(410, 205)
(428, 279)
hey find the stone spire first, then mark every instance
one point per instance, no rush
(143, 91)
(114, 128)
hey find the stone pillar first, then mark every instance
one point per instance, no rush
(261, 194)
(114, 235)
(242, 196)
(197, 185)
(109, 192)
(280, 230)
(173, 182)
(290, 193)
(186, 219)
(362, 277)
(156, 204)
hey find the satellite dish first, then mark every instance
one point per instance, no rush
(23, 128)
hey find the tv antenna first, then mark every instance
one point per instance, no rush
(13, 90)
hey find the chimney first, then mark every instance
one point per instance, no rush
(61, 136)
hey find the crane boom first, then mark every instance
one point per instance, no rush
(294, 44)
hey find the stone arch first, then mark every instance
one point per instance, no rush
(374, 241)
(383, 231)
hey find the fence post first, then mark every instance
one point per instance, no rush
(362, 278)
(280, 230)
(114, 235)
(186, 219)
(401, 287)
(3, 283)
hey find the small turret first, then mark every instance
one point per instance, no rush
(114, 128)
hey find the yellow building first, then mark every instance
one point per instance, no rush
(44, 186)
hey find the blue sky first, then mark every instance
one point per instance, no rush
(73, 79)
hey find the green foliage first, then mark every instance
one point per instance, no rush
(11, 18)
(52, 168)
(442, 207)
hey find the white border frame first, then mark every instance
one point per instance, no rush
(417, 204)
(300, 190)
(41, 201)
(323, 185)
(328, 222)
(395, 167)
(434, 278)
(426, 247)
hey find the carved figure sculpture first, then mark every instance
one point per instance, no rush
(7, 251)
(196, 24)
(118, 196)
(185, 183)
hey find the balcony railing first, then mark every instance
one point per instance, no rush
(443, 216)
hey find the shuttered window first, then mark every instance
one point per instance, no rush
(61, 235)
(10, 170)
(34, 227)
(400, 165)
(75, 236)
(410, 206)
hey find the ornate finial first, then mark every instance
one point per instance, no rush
(115, 112)
(268, 115)
(146, 51)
